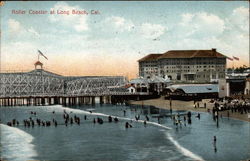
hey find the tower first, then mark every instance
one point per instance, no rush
(38, 64)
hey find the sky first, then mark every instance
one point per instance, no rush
(111, 41)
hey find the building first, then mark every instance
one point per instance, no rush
(247, 86)
(185, 65)
(130, 88)
(192, 91)
(233, 86)
(153, 85)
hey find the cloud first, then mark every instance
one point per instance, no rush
(152, 31)
(120, 23)
(14, 26)
(78, 22)
(201, 24)
(33, 31)
(205, 31)
(146, 30)
(239, 19)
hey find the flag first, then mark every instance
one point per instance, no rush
(236, 58)
(230, 58)
(42, 54)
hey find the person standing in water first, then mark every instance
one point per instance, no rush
(170, 103)
(215, 148)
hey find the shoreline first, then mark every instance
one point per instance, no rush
(189, 106)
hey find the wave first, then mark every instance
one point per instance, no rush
(122, 118)
(16, 144)
(183, 150)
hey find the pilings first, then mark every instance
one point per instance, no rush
(54, 100)
(68, 100)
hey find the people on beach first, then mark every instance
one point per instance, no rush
(214, 143)
(189, 115)
(9, 123)
(110, 119)
(137, 117)
(32, 123)
(66, 122)
(198, 116)
(99, 120)
(127, 125)
(116, 119)
(215, 139)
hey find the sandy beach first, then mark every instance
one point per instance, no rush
(189, 106)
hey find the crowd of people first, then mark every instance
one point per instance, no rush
(67, 119)
(241, 106)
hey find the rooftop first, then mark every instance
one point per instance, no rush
(150, 57)
(195, 88)
(192, 54)
(184, 54)
(38, 63)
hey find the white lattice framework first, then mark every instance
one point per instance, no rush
(43, 83)
(34, 83)
(96, 86)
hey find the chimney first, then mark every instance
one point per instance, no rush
(214, 51)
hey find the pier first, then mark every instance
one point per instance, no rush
(41, 87)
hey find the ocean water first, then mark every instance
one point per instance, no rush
(112, 141)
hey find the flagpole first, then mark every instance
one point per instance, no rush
(233, 65)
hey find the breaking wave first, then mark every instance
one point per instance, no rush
(16, 144)
(183, 150)
(122, 118)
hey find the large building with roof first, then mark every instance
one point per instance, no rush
(185, 65)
